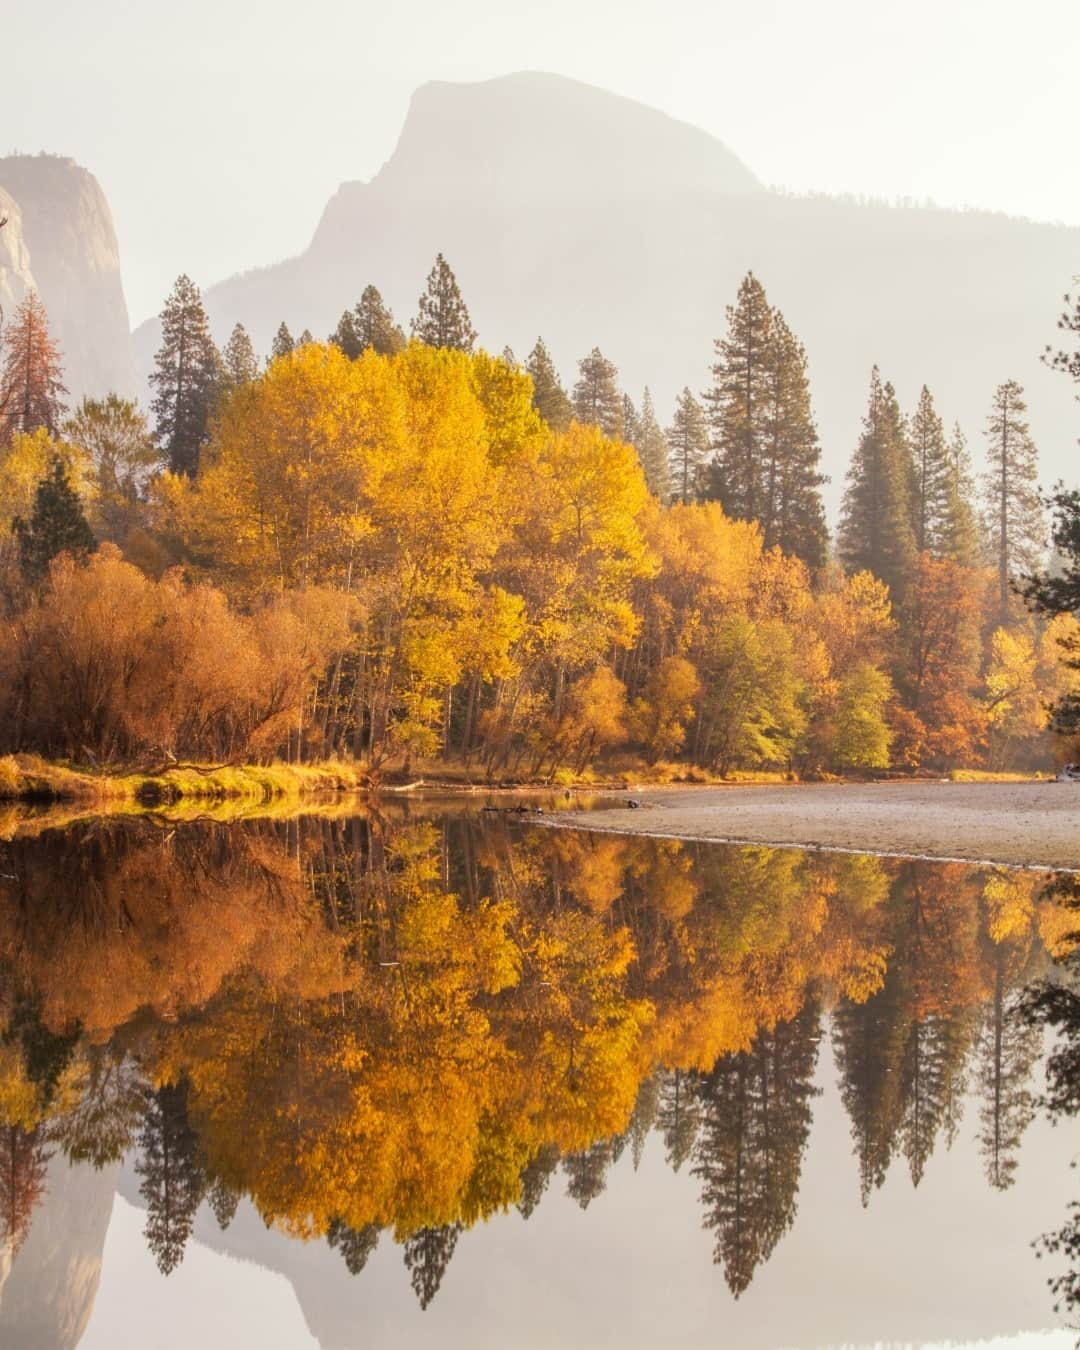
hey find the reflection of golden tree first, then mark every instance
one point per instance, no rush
(23, 1163)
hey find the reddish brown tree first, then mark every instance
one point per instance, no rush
(32, 384)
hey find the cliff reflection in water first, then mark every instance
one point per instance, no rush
(389, 1029)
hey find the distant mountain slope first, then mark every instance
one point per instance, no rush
(70, 255)
(590, 219)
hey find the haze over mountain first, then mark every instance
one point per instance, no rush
(593, 220)
(60, 240)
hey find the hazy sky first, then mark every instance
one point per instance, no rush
(219, 129)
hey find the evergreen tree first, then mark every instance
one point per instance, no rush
(355, 1244)
(646, 1109)
(931, 478)
(792, 512)
(631, 424)
(1009, 1047)
(652, 450)
(375, 325)
(535, 1177)
(549, 397)
(239, 364)
(875, 523)
(678, 1116)
(509, 359)
(283, 343)
(1014, 525)
(31, 384)
(305, 338)
(224, 1202)
(57, 525)
(587, 1171)
(427, 1255)
(185, 378)
(346, 337)
(738, 403)
(443, 319)
(688, 441)
(960, 532)
(597, 400)
(173, 1182)
(756, 1118)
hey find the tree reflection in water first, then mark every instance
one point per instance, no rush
(366, 1024)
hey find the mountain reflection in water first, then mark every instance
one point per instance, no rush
(380, 1030)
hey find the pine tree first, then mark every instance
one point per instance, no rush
(346, 337)
(173, 1181)
(427, 1255)
(549, 397)
(283, 343)
(597, 400)
(57, 525)
(443, 319)
(305, 338)
(375, 325)
(688, 441)
(738, 401)
(960, 532)
(875, 523)
(679, 1115)
(931, 478)
(24, 1162)
(239, 364)
(652, 450)
(355, 1244)
(792, 513)
(31, 385)
(185, 379)
(1014, 524)
(631, 424)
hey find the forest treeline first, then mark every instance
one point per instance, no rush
(395, 549)
(372, 1026)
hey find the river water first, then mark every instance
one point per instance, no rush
(438, 1077)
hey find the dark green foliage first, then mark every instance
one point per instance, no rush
(737, 403)
(1014, 523)
(185, 379)
(875, 524)
(427, 1255)
(283, 342)
(793, 516)
(57, 525)
(355, 1244)
(652, 450)
(346, 337)
(960, 532)
(597, 400)
(239, 364)
(549, 397)
(688, 447)
(931, 478)
(755, 1123)
(305, 338)
(173, 1182)
(443, 318)
(375, 326)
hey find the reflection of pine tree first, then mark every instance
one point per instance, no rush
(678, 1116)
(756, 1119)
(587, 1171)
(644, 1117)
(934, 1082)
(23, 1161)
(356, 1245)
(173, 1180)
(224, 1202)
(535, 1177)
(427, 1254)
(1009, 1045)
(868, 1045)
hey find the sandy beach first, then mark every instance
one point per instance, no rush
(1024, 824)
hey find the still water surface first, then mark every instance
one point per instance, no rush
(446, 1078)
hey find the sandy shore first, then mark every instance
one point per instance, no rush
(1024, 824)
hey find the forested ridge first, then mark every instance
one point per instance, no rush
(400, 548)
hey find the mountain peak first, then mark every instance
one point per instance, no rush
(531, 132)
